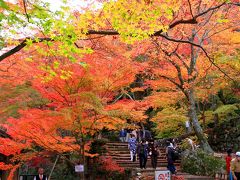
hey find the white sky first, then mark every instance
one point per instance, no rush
(75, 4)
(54, 6)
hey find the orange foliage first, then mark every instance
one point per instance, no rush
(79, 95)
(110, 165)
(83, 92)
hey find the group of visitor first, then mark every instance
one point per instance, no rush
(142, 150)
(233, 165)
(124, 134)
(146, 147)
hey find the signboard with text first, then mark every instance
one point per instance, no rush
(79, 168)
(162, 175)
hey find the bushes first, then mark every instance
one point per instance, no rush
(103, 167)
(200, 163)
(97, 146)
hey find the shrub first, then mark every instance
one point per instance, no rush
(200, 163)
(104, 167)
(97, 146)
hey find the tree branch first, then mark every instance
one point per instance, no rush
(172, 81)
(111, 32)
(8, 67)
(177, 67)
(190, 7)
(25, 9)
(235, 4)
(176, 84)
(204, 51)
(180, 58)
(22, 45)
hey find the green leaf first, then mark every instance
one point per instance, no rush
(3, 5)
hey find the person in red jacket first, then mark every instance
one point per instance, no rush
(228, 160)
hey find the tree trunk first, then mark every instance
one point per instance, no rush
(196, 126)
(54, 165)
(143, 130)
(82, 176)
(216, 120)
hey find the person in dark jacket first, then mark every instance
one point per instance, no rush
(170, 158)
(142, 151)
(40, 175)
(122, 135)
(153, 152)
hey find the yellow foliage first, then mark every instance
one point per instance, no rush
(164, 99)
(170, 119)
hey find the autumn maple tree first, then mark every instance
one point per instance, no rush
(81, 100)
(183, 58)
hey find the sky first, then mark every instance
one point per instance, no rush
(75, 4)
(54, 6)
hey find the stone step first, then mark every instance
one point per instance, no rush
(149, 160)
(122, 144)
(148, 165)
(126, 151)
(125, 146)
(131, 166)
(122, 153)
(151, 171)
(127, 156)
(160, 164)
(119, 152)
(126, 159)
(192, 177)
(117, 144)
(149, 174)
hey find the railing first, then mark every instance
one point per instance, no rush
(221, 176)
(27, 177)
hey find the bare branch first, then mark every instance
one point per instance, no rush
(172, 81)
(235, 4)
(177, 67)
(210, 9)
(204, 51)
(190, 6)
(180, 58)
(6, 70)
(25, 9)
(22, 45)
(128, 95)
(192, 20)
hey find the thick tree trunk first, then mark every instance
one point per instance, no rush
(196, 126)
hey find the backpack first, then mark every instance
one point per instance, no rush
(175, 155)
(142, 149)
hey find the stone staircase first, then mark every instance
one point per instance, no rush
(149, 174)
(120, 153)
